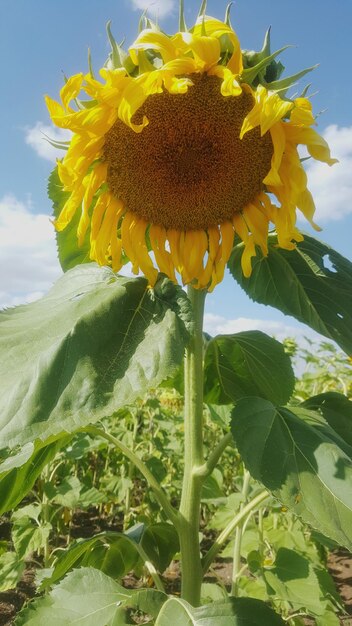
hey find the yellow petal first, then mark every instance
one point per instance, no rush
(257, 225)
(229, 86)
(157, 236)
(217, 29)
(69, 209)
(105, 233)
(71, 89)
(153, 40)
(93, 182)
(206, 50)
(127, 243)
(246, 259)
(273, 110)
(116, 252)
(302, 113)
(306, 204)
(279, 142)
(97, 216)
(138, 233)
(174, 241)
(195, 247)
(317, 146)
(135, 95)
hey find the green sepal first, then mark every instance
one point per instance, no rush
(251, 73)
(202, 10)
(116, 52)
(285, 83)
(227, 14)
(182, 26)
(118, 58)
(90, 66)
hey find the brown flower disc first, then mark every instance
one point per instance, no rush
(188, 169)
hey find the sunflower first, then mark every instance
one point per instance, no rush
(179, 148)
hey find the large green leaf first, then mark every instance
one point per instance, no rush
(300, 283)
(89, 347)
(238, 365)
(15, 483)
(294, 580)
(231, 612)
(297, 455)
(68, 251)
(86, 596)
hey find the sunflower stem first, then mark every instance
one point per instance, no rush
(192, 574)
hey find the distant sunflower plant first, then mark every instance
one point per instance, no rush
(185, 158)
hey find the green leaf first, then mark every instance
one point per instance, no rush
(116, 556)
(299, 283)
(231, 612)
(68, 251)
(238, 365)
(336, 410)
(212, 488)
(148, 601)
(86, 596)
(298, 458)
(160, 542)
(28, 537)
(11, 569)
(220, 414)
(294, 580)
(89, 347)
(16, 483)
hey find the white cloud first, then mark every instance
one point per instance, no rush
(37, 137)
(218, 325)
(332, 186)
(28, 257)
(160, 8)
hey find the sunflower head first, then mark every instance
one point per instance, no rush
(184, 142)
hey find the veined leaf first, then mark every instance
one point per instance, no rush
(86, 596)
(89, 347)
(238, 365)
(313, 283)
(296, 455)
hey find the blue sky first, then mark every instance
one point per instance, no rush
(43, 39)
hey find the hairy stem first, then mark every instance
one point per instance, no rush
(192, 574)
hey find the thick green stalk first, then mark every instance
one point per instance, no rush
(192, 574)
